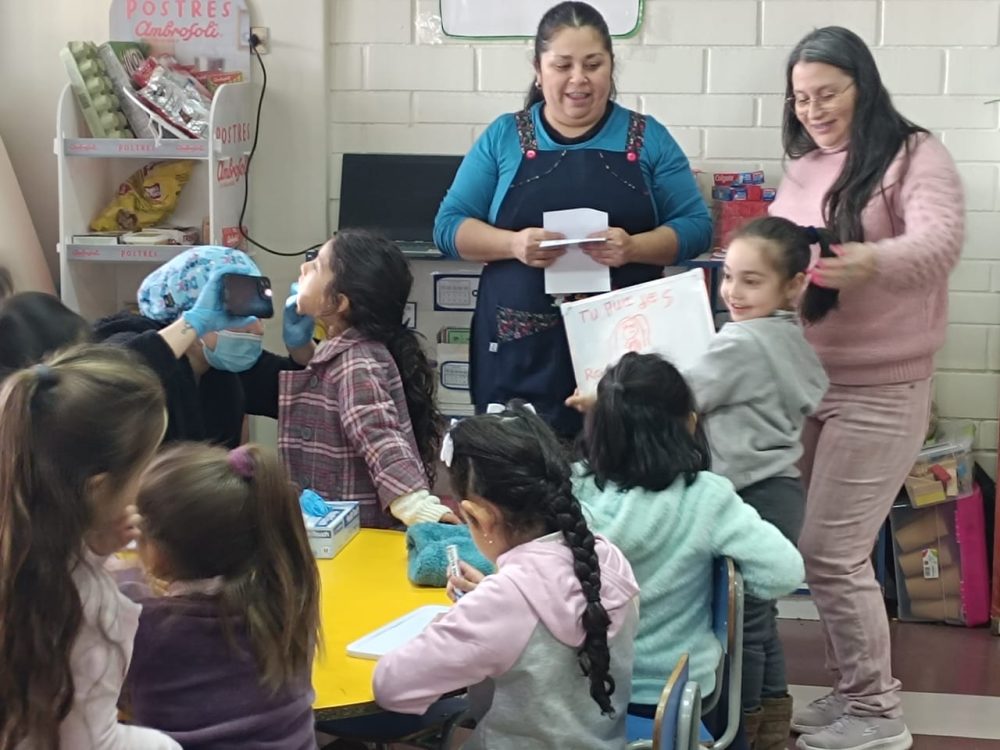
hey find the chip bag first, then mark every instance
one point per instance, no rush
(146, 198)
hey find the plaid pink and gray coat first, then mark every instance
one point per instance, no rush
(344, 430)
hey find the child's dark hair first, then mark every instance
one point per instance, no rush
(790, 250)
(516, 462)
(234, 514)
(33, 325)
(371, 271)
(90, 412)
(640, 432)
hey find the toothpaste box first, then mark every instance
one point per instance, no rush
(331, 533)
(738, 178)
(743, 193)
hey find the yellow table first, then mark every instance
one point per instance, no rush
(363, 587)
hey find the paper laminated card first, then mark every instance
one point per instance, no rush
(397, 633)
(669, 316)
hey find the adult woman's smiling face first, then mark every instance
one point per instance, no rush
(824, 98)
(574, 73)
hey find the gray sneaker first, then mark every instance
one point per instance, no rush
(851, 732)
(819, 714)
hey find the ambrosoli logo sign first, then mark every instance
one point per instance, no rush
(177, 19)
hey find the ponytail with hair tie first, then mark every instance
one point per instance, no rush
(45, 374)
(241, 462)
(817, 300)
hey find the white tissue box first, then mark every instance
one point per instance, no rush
(329, 534)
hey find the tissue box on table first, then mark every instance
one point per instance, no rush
(328, 534)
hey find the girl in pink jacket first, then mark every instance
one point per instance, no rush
(552, 628)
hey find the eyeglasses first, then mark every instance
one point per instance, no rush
(823, 102)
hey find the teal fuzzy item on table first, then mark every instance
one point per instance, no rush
(427, 559)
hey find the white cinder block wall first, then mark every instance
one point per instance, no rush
(712, 71)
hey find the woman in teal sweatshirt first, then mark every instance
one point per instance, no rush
(645, 484)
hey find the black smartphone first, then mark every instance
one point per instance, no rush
(247, 295)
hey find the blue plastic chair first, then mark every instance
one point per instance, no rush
(678, 715)
(727, 623)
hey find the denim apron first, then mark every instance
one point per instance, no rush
(519, 347)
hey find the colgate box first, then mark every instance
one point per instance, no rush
(331, 533)
(737, 197)
(739, 178)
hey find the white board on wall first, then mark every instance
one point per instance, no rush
(506, 18)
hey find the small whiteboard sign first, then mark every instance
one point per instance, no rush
(455, 291)
(507, 18)
(670, 316)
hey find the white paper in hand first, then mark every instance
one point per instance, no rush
(576, 272)
(397, 633)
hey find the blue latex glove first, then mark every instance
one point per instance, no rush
(209, 313)
(297, 329)
(312, 504)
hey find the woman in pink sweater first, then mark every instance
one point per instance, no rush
(890, 192)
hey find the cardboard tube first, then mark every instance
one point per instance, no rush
(912, 563)
(923, 531)
(948, 584)
(949, 608)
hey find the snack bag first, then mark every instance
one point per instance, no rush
(146, 198)
(175, 94)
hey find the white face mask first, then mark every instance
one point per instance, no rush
(234, 352)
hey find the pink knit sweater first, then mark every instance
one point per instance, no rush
(887, 330)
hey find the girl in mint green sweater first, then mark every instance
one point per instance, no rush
(645, 484)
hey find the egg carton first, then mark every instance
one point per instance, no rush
(94, 91)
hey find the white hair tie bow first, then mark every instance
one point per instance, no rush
(448, 445)
(501, 408)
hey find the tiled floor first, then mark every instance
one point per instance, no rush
(950, 676)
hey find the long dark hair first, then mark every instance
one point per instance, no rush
(568, 15)
(878, 131)
(371, 271)
(516, 462)
(33, 325)
(639, 432)
(789, 249)
(234, 514)
(91, 411)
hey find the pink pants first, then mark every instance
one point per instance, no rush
(859, 447)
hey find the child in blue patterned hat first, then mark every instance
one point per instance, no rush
(212, 365)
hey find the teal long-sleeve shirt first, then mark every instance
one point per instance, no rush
(488, 170)
(671, 539)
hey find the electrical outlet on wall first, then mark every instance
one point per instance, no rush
(263, 34)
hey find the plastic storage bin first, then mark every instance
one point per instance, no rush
(942, 472)
(941, 568)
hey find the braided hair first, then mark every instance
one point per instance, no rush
(515, 461)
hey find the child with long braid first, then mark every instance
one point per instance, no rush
(552, 628)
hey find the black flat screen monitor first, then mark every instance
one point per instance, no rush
(396, 194)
